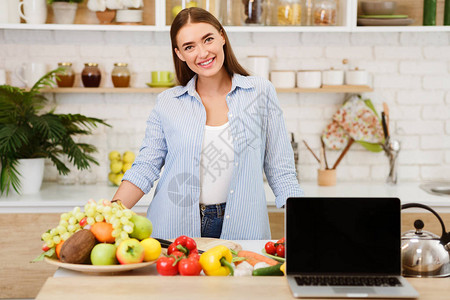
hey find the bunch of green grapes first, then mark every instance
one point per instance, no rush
(69, 223)
(101, 211)
(111, 212)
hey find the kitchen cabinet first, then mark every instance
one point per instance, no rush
(157, 16)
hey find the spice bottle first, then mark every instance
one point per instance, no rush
(429, 12)
(289, 12)
(253, 12)
(91, 75)
(324, 12)
(120, 75)
(67, 77)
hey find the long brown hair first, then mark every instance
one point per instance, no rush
(199, 15)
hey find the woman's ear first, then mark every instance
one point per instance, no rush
(223, 37)
(180, 56)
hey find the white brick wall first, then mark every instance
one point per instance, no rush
(409, 71)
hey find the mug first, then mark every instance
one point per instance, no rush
(31, 72)
(13, 13)
(309, 79)
(283, 79)
(35, 11)
(162, 77)
(259, 66)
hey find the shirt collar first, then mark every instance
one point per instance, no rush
(237, 81)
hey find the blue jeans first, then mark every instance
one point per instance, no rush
(212, 219)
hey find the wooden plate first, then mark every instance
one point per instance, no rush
(277, 258)
(98, 269)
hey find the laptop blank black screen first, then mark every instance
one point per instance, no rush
(343, 236)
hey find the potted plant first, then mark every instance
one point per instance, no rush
(29, 132)
(64, 11)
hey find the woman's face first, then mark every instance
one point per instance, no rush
(200, 45)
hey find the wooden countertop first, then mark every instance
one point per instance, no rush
(198, 287)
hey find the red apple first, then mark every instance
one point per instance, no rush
(130, 252)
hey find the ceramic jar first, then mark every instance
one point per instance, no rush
(309, 79)
(91, 75)
(67, 77)
(356, 77)
(121, 75)
(333, 77)
(283, 79)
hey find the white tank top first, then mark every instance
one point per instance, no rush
(216, 164)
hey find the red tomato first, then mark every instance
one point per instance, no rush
(45, 248)
(177, 254)
(270, 248)
(280, 250)
(281, 241)
(165, 266)
(189, 267)
(194, 255)
(83, 222)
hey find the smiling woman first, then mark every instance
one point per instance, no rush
(214, 134)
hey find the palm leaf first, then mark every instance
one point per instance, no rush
(12, 138)
(9, 176)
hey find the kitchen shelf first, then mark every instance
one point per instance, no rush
(157, 19)
(82, 90)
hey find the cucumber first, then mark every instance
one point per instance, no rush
(268, 271)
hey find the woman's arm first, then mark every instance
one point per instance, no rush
(279, 163)
(128, 194)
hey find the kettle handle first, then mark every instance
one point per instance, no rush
(445, 237)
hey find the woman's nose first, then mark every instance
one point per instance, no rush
(203, 51)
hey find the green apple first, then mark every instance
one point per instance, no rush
(104, 254)
(116, 166)
(143, 227)
(114, 155)
(130, 252)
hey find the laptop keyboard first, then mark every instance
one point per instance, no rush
(346, 281)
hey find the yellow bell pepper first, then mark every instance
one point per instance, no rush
(283, 268)
(217, 261)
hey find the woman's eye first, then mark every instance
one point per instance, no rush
(188, 48)
(209, 39)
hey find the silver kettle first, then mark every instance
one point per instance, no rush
(425, 254)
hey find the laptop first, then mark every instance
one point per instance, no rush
(345, 248)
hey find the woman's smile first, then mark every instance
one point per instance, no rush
(208, 63)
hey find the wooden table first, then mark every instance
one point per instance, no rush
(198, 288)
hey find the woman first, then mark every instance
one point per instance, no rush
(214, 134)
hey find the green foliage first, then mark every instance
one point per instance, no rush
(70, 1)
(26, 131)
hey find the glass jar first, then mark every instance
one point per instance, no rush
(91, 75)
(67, 77)
(227, 13)
(324, 12)
(253, 12)
(289, 12)
(212, 6)
(121, 75)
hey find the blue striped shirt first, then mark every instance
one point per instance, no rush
(173, 139)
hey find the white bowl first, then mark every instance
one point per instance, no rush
(309, 79)
(283, 79)
(129, 16)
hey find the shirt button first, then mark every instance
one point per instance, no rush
(231, 192)
(227, 216)
(230, 115)
(236, 164)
